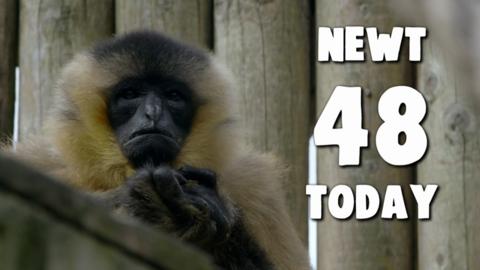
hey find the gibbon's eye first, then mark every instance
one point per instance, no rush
(174, 95)
(129, 94)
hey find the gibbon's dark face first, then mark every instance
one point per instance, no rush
(151, 117)
(151, 108)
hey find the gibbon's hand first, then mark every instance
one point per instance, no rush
(184, 201)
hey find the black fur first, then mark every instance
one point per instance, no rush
(240, 251)
(153, 54)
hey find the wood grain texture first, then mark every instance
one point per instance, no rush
(8, 53)
(51, 32)
(445, 18)
(374, 244)
(189, 21)
(32, 239)
(267, 46)
(451, 239)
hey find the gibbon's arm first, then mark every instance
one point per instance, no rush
(186, 202)
(254, 185)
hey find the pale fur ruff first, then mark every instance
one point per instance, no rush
(80, 147)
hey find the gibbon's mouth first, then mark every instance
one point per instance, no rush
(143, 132)
(151, 145)
(150, 136)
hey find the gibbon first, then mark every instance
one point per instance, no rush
(150, 125)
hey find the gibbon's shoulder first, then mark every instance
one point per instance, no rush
(256, 171)
(37, 152)
(254, 183)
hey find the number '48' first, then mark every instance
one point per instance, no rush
(351, 137)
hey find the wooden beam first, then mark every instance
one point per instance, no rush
(267, 46)
(51, 32)
(376, 243)
(59, 215)
(8, 59)
(451, 239)
(189, 21)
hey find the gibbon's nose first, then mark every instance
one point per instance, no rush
(153, 108)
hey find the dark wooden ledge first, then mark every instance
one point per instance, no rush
(45, 224)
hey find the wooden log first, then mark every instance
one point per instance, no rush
(376, 243)
(451, 239)
(267, 46)
(8, 43)
(56, 227)
(51, 32)
(189, 21)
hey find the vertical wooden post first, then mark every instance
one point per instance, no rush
(51, 32)
(376, 243)
(8, 58)
(267, 46)
(189, 21)
(451, 239)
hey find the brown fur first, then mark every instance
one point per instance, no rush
(80, 147)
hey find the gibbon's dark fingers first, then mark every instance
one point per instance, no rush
(163, 198)
(205, 177)
(198, 211)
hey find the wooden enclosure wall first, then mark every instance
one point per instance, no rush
(267, 47)
(451, 239)
(51, 32)
(270, 48)
(190, 21)
(376, 243)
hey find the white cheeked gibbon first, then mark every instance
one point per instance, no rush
(149, 125)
